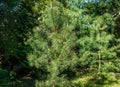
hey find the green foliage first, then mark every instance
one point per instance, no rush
(67, 38)
(16, 22)
(53, 44)
(12, 75)
(95, 42)
(4, 78)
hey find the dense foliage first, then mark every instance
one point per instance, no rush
(56, 41)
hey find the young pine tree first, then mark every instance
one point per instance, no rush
(53, 46)
(98, 50)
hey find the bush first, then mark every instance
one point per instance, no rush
(4, 78)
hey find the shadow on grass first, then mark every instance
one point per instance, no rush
(99, 83)
(25, 82)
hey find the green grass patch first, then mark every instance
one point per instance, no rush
(96, 81)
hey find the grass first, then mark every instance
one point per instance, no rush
(83, 81)
(88, 81)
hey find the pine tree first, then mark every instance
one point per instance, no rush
(53, 45)
(71, 38)
(97, 48)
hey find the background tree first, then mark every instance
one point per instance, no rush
(16, 21)
(96, 48)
